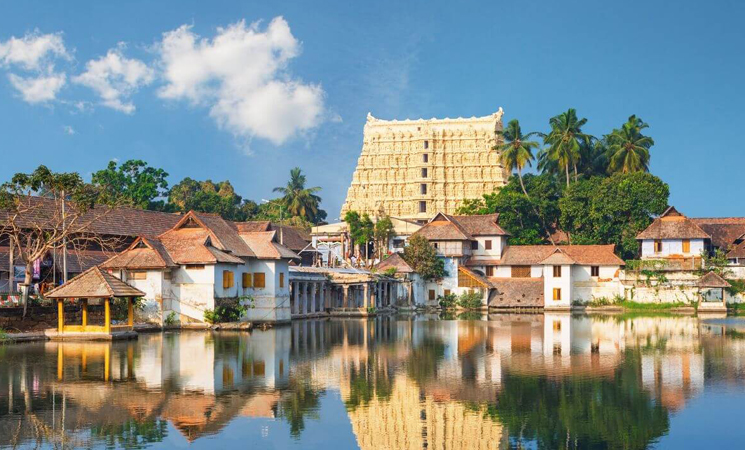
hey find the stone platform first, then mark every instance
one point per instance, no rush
(115, 335)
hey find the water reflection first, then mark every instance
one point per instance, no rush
(535, 381)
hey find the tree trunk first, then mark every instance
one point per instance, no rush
(576, 176)
(28, 277)
(566, 169)
(522, 185)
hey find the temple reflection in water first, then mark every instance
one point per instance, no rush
(405, 382)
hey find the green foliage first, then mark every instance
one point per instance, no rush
(737, 286)
(361, 229)
(120, 308)
(517, 149)
(301, 201)
(567, 143)
(422, 257)
(447, 301)
(133, 183)
(612, 210)
(717, 263)
(628, 148)
(132, 433)
(171, 319)
(301, 399)
(471, 300)
(390, 272)
(225, 313)
(208, 197)
(382, 233)
(3, 335)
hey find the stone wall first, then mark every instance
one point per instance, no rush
(43, 317)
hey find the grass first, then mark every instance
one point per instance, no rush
(3, 335)
(628, 304)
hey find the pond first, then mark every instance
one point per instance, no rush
(400, 382)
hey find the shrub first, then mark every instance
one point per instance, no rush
(225, 313)
(447, 301)
(171, 319)
(390, 272)
(471, 300)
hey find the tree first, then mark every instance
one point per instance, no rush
(299, 200)
(208, 197)
(133, 183)
(566, 141)
(517, 150)
(613, 210)
(383, 233)
(422, 257)
(44, 211)
(628, 148)
(361, 229)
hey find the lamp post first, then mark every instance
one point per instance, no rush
(281, 219)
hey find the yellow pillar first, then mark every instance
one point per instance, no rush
(85, 313)
(130, 313)
(107, 360)
(60, 315)
(84, 363)
(60, 362)
(107, 316)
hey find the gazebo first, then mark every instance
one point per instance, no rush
(94, 283)
(712, 289)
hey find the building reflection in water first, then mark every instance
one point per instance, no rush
(406, 382)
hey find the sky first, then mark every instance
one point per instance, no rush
(244, 91)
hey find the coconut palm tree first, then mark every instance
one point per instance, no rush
(628, 148)
(297, 199)
(516, 150)
(566, 141)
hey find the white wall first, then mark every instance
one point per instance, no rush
(671, 247)
(497, 245)
(156, 289)
(271, 303)
(193, 292)
(564, 283)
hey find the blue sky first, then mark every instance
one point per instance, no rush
(167, 85)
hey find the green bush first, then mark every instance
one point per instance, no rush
(447, 301)
(471, 300)
(3, 335)
(171, 319)
(225, 313)
(390, 272)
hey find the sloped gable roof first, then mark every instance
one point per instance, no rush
(144, 253)
(724, 231)
(481, 225)
(443, 228)
(395, 261)
(712, 280)
(673, 225)
(527, 255)
(558, 257)
(264, 246)
(94, 283)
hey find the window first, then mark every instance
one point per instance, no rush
(447, 292)
(194, 266)
(426, 144)
(281, 279)
(594, 271)
(658, 246)
(557, 271)
(137, 275)
(422, 207)
(557, 293)
(425, 158)
(489, 271)
(686, 246)
(436, 245)
(520, 271)
(431, 294)
(557, 325)
(259, 281)
(424, 172)
(487, 244)
(167, 275)
(247, 280)
(474, 245)
(227, 279)
(423, 189)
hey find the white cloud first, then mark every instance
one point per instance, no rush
(241, 74)
(115, 78)
(67, 129)
(38, 89)
(35, 53)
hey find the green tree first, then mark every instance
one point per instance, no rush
(566, 141)
(613, 210)
(422, 257)
(628, 148)
(208, 197)
(361, 230)
(299, 200)
(383, 233)
(133, 183)
(517, 150)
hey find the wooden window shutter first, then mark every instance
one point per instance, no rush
(259, 280)
(281, 279)
(686, 246)
(431, 294)
(227, 279)
(487, 244)
(594, 271)
(520, 271)
(247, 280)
(557, 293)
(557, 271)
(489, 271)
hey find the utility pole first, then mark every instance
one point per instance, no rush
(64, 242)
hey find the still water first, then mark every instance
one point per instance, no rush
(405, 382)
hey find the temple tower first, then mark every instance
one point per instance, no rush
(413, 169)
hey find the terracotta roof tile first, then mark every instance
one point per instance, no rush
(526, 255)
(481, 225)
(724, 231)
(144, 253)
(673, 225)
(264, 246)
(517, 292)
(737, 251)
(395, 261)
(94, 283)
(712, 280)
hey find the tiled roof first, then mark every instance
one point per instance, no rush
(526, 255)
(673, 225)
(77, 260)
(738, 251)
(558, 257)
(481, 225)
(264, 245)
(395, 261)
(144, 253)
(443, 228)
(517, 292)
(476, 276)
(724, 231)
(226, 234)
(712, 280)
(188, 246)
(94, 283)
(293, 238)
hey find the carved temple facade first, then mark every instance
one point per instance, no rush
(414, 168)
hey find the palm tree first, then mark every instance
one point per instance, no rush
(628, 148)
(517, 150)
(297, 199)
(566, 141)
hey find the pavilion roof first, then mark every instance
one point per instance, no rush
(712, 280)
(94, 283)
